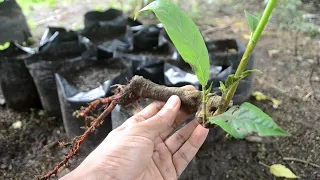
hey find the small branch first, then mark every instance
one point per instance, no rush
(313, 69)
(261, 163)
(301, 161)
(254, 139)
(281, 154)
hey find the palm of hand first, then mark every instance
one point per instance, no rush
(141, 149)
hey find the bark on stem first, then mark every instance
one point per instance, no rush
(143, 88)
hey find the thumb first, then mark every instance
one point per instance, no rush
(164, 119)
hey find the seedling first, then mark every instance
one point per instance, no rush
(4, 46)
(211, 109)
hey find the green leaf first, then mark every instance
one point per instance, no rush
(252, 21)
(248, 72)
(242, 121)
(222, 88)
(232, 79)
(4, 46)
(184, 34)
(209, 89)
(280, 170)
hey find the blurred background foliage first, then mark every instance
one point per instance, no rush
(293, 15)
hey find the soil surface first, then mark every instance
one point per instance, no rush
(32, 149)
(93, 77)
(29, 150)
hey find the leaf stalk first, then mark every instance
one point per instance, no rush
(204, 106)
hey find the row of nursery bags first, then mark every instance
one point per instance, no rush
(69, 69)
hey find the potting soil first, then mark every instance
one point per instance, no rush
(94, 76)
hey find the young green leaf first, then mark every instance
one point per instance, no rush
(4, 46)
(184, 34)
(232, 79)
(242, 121)
(280, 170)
(209, 89)
(222, 88)
(252, 21)
(248, 72)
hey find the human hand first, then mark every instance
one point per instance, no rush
(141, 148)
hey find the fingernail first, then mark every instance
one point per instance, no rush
(172, 102)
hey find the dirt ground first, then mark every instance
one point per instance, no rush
(32, 150)
(286, 78)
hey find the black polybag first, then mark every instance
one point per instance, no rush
(14, 25)
(17, 84)
(147, 56)
(104, 26)
(58, 41)
(150, 67)
(225, 56)
(131, 22)
(123, 43)
(57, 47)
(146, 37)
(72, 99)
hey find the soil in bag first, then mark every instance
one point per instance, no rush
(57, 47)
(17, 84)
(82, 81)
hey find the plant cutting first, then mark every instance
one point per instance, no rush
(211, 109)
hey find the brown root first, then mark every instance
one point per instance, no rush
(140, 87)
(77, 141)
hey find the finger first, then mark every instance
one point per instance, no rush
(189, 149)
(154, 108)
(175, 141)
(163, 160)
(161, 121)
(188, 87)
(149, 111)
(181, 117)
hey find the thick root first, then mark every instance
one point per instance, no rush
(140, 87)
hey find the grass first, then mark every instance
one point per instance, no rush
(27, 6)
